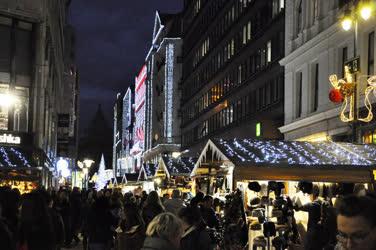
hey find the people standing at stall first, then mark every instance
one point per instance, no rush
(313, 239)
(153, 207)
(174, 204)
(133, 229)
(195, 236)
(208, 213)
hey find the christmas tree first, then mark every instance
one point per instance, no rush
(102, 176)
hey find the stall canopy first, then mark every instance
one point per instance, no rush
(148, 171)
(289, 160)
(181, 166)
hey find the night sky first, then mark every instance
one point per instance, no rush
(112, 40)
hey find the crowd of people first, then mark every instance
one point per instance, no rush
(107, 219)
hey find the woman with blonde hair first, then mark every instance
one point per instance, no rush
(164, 233)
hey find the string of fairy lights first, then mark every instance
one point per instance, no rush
(297, 153)
(183, 165)
(12, 157)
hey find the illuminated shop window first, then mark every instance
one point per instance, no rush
(369, 137)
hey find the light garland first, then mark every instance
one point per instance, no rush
(5, 157)
(183, 165)
(245, 151)
(169, 89)
(21, 157)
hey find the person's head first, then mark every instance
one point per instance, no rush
(190, 216)
(199, 196)
(185, 196)
(207, 202)
(153, 199)
(176, 194)
(356, 222)
(166, 226)
(144, 194)
(166, 196)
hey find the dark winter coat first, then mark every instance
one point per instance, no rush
(132, 239)
(149, 212)
(209, 217)
(197, 239)
(153, 243)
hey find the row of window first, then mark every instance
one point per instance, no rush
(259, 20)
(274, 49)
(271, 93)
(236, 77)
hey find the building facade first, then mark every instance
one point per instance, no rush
(317, 47)
(123, 163)
(232, 83)
(32, 80)
(164, 67)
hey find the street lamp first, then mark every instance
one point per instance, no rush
(85, 166)
(345, 90)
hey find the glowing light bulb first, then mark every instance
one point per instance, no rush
(346, 24)
(365, 12)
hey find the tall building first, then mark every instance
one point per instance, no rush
(232, 80)
(164, 71)
(68, 116)
(32, 69)
(317, 47)
(123, 134)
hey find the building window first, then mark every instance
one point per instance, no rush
(371, 53)
(240, 75)
(344, 59)
(315, 88)
(278, 5)
(315, 10)
(249, 29)
(298, 108)
(299, 19)
(269, 52)
(197, 7)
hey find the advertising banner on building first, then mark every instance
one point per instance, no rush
(139, 128)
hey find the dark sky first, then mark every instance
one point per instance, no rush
(113, 38)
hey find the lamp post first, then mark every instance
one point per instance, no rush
(347, 87)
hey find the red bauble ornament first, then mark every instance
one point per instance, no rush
(335, 96)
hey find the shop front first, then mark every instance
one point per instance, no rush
(22, 165)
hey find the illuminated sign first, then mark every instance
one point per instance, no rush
(139, 128)
(10, 139)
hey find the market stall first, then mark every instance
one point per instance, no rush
(174, 173)
(130, 183)
(247, 163)
(24, 168)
